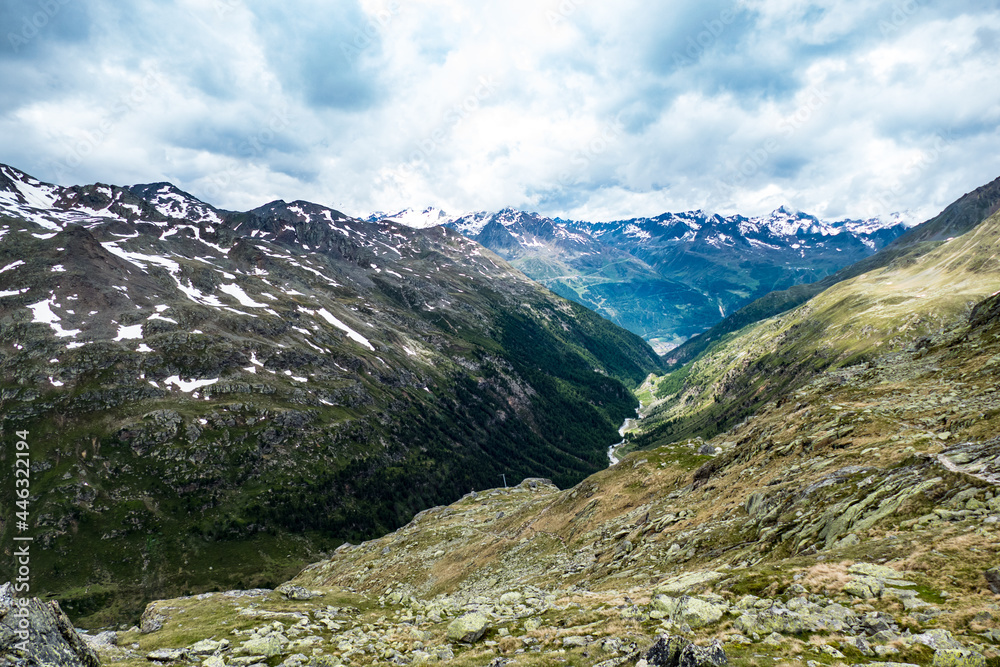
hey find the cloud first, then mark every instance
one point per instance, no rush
(570, 107)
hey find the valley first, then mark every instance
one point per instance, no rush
(670, 277)
(818, 487)
(217, 398)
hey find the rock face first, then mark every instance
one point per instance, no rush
(468, 628)
(39, 634)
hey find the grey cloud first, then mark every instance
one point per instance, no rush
(322, 51)
(32, 27)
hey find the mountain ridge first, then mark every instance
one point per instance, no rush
(673, 276)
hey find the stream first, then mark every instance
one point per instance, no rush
(625, 427)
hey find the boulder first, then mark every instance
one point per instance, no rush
(957, 657)
(686, 582)
(511, 598)
(703, 656)
(993, 578)
(468, 628)
(698, 613)
(151, 620)
(875, 571)
(864, 587)
(39, 633)
(663, 606)
(936, 639)
(102, 641)
(290, 592)
(267, 647)
(167, 655)
(666, 651)
(208, 647)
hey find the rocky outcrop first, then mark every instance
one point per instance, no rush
(38, 634)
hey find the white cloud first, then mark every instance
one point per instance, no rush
(570, 107)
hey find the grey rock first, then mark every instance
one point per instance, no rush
(267, 647)
(993, 578)
(666, 651)
(703, 656)
(468, 628)
(796, 589)
(698, 613)
(151, 620)
(208, 647)
(864, 587)
(831, 651)
(689, 581)
(167, 655)
(574, 642)
(876, 571)
(956, 657)
(936, 639)
(102, 640)
(48, 638)
(290, 592)
(860, 643)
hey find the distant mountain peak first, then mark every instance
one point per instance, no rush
(430, 216)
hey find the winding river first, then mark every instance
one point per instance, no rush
(624, 429)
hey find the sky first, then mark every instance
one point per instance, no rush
(574, 108)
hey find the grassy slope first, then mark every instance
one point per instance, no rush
(887, 308)
(955, 220)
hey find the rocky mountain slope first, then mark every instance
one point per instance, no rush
(844, 526)
(852, 518)
(670, 277)
(215, 398)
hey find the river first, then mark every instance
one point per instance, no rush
(624, 429)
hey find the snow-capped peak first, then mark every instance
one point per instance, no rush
(173, 202)
(429, 217)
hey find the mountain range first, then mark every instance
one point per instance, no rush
(820, 486)
(214, 398)
(673, 276)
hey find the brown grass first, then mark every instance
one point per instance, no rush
(826, 577)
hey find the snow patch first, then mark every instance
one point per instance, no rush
(133, 332)
(188, 386)
(237, 293)
(42, 313)
(351, 333)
